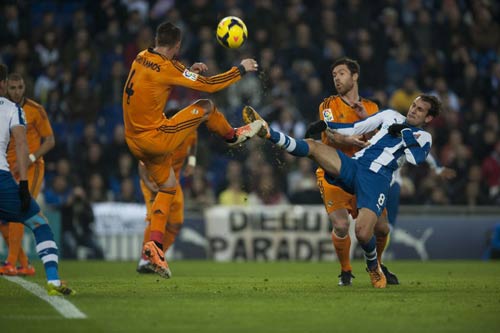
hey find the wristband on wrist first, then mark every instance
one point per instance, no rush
(32, 158)
(192, 161)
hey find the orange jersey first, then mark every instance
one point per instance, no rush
(180, 154)
(38, 127)
(334, 108)
(149, 84)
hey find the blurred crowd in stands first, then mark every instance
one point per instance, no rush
(75, 56)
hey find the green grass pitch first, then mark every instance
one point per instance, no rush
(436, 296)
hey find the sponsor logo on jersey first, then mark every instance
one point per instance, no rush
(190, 75)
(327, 115)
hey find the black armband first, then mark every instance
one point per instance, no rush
(242, 70)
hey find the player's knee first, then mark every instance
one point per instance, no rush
(205, 104)
(340, 227)
(363, 233)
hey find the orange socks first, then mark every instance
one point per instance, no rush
(160, 212)
(4, 229)
(218, 123)
(171, 233)
(381, 243)
(343, 248)
(16, 229)
(16, 232)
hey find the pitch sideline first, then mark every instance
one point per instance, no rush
(63, 306)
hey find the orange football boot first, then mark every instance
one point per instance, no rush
(26, 270)
(377, 277)
(157, 260)
(250, 115)
(8, 269)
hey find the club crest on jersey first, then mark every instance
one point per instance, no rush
(194, 111)
(327, 115)
(190, 75)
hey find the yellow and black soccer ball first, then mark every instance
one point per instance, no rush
(231, 32)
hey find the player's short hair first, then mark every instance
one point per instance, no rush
(3, 72)
(15, 77)
(351, 64)
(167, 34)
(434, 102)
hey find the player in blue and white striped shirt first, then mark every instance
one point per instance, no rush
(16, 204)
(368, 173)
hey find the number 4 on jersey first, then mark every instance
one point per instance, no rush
(129, 86)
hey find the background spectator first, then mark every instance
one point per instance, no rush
(75, 58)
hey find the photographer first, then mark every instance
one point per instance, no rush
(77, 220)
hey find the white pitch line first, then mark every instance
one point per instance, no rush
(63, 306)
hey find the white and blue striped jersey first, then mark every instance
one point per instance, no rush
(433, 164)
(386, 152)
(11, 115)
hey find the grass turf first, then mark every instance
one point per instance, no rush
(437, 296)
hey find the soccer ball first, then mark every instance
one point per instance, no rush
(231, 32)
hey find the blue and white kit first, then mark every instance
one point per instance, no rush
(370, 171)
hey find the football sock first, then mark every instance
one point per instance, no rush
(146, 237)
(147, 231)
(381, 243)
(296, 147)
(218, 123)
(370, 253)
(4, 229)
(171, 232)
(342, 248)
(23, 258)
(16, 232)
(47, 251)
(160, 213)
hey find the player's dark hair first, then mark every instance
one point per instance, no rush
(351, 64)
(434, 102)
(167, 34)
(15, 77)
(3, 72)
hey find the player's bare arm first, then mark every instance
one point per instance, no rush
(342, 141)
(19, 134)
(48, 142)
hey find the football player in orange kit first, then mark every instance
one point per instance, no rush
(347, 107)
(187, 150)
(40, 140)
(152, 137)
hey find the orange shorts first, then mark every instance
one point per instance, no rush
(176, 215)
(35, 174)
(154, 148)
(335, 197)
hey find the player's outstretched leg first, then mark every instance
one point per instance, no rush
(296, 147)
(250, 115)
(47, 251)
(245, 132)
(217, 123)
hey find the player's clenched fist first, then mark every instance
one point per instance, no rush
(250, 65)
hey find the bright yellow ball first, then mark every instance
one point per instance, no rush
(231, 32)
